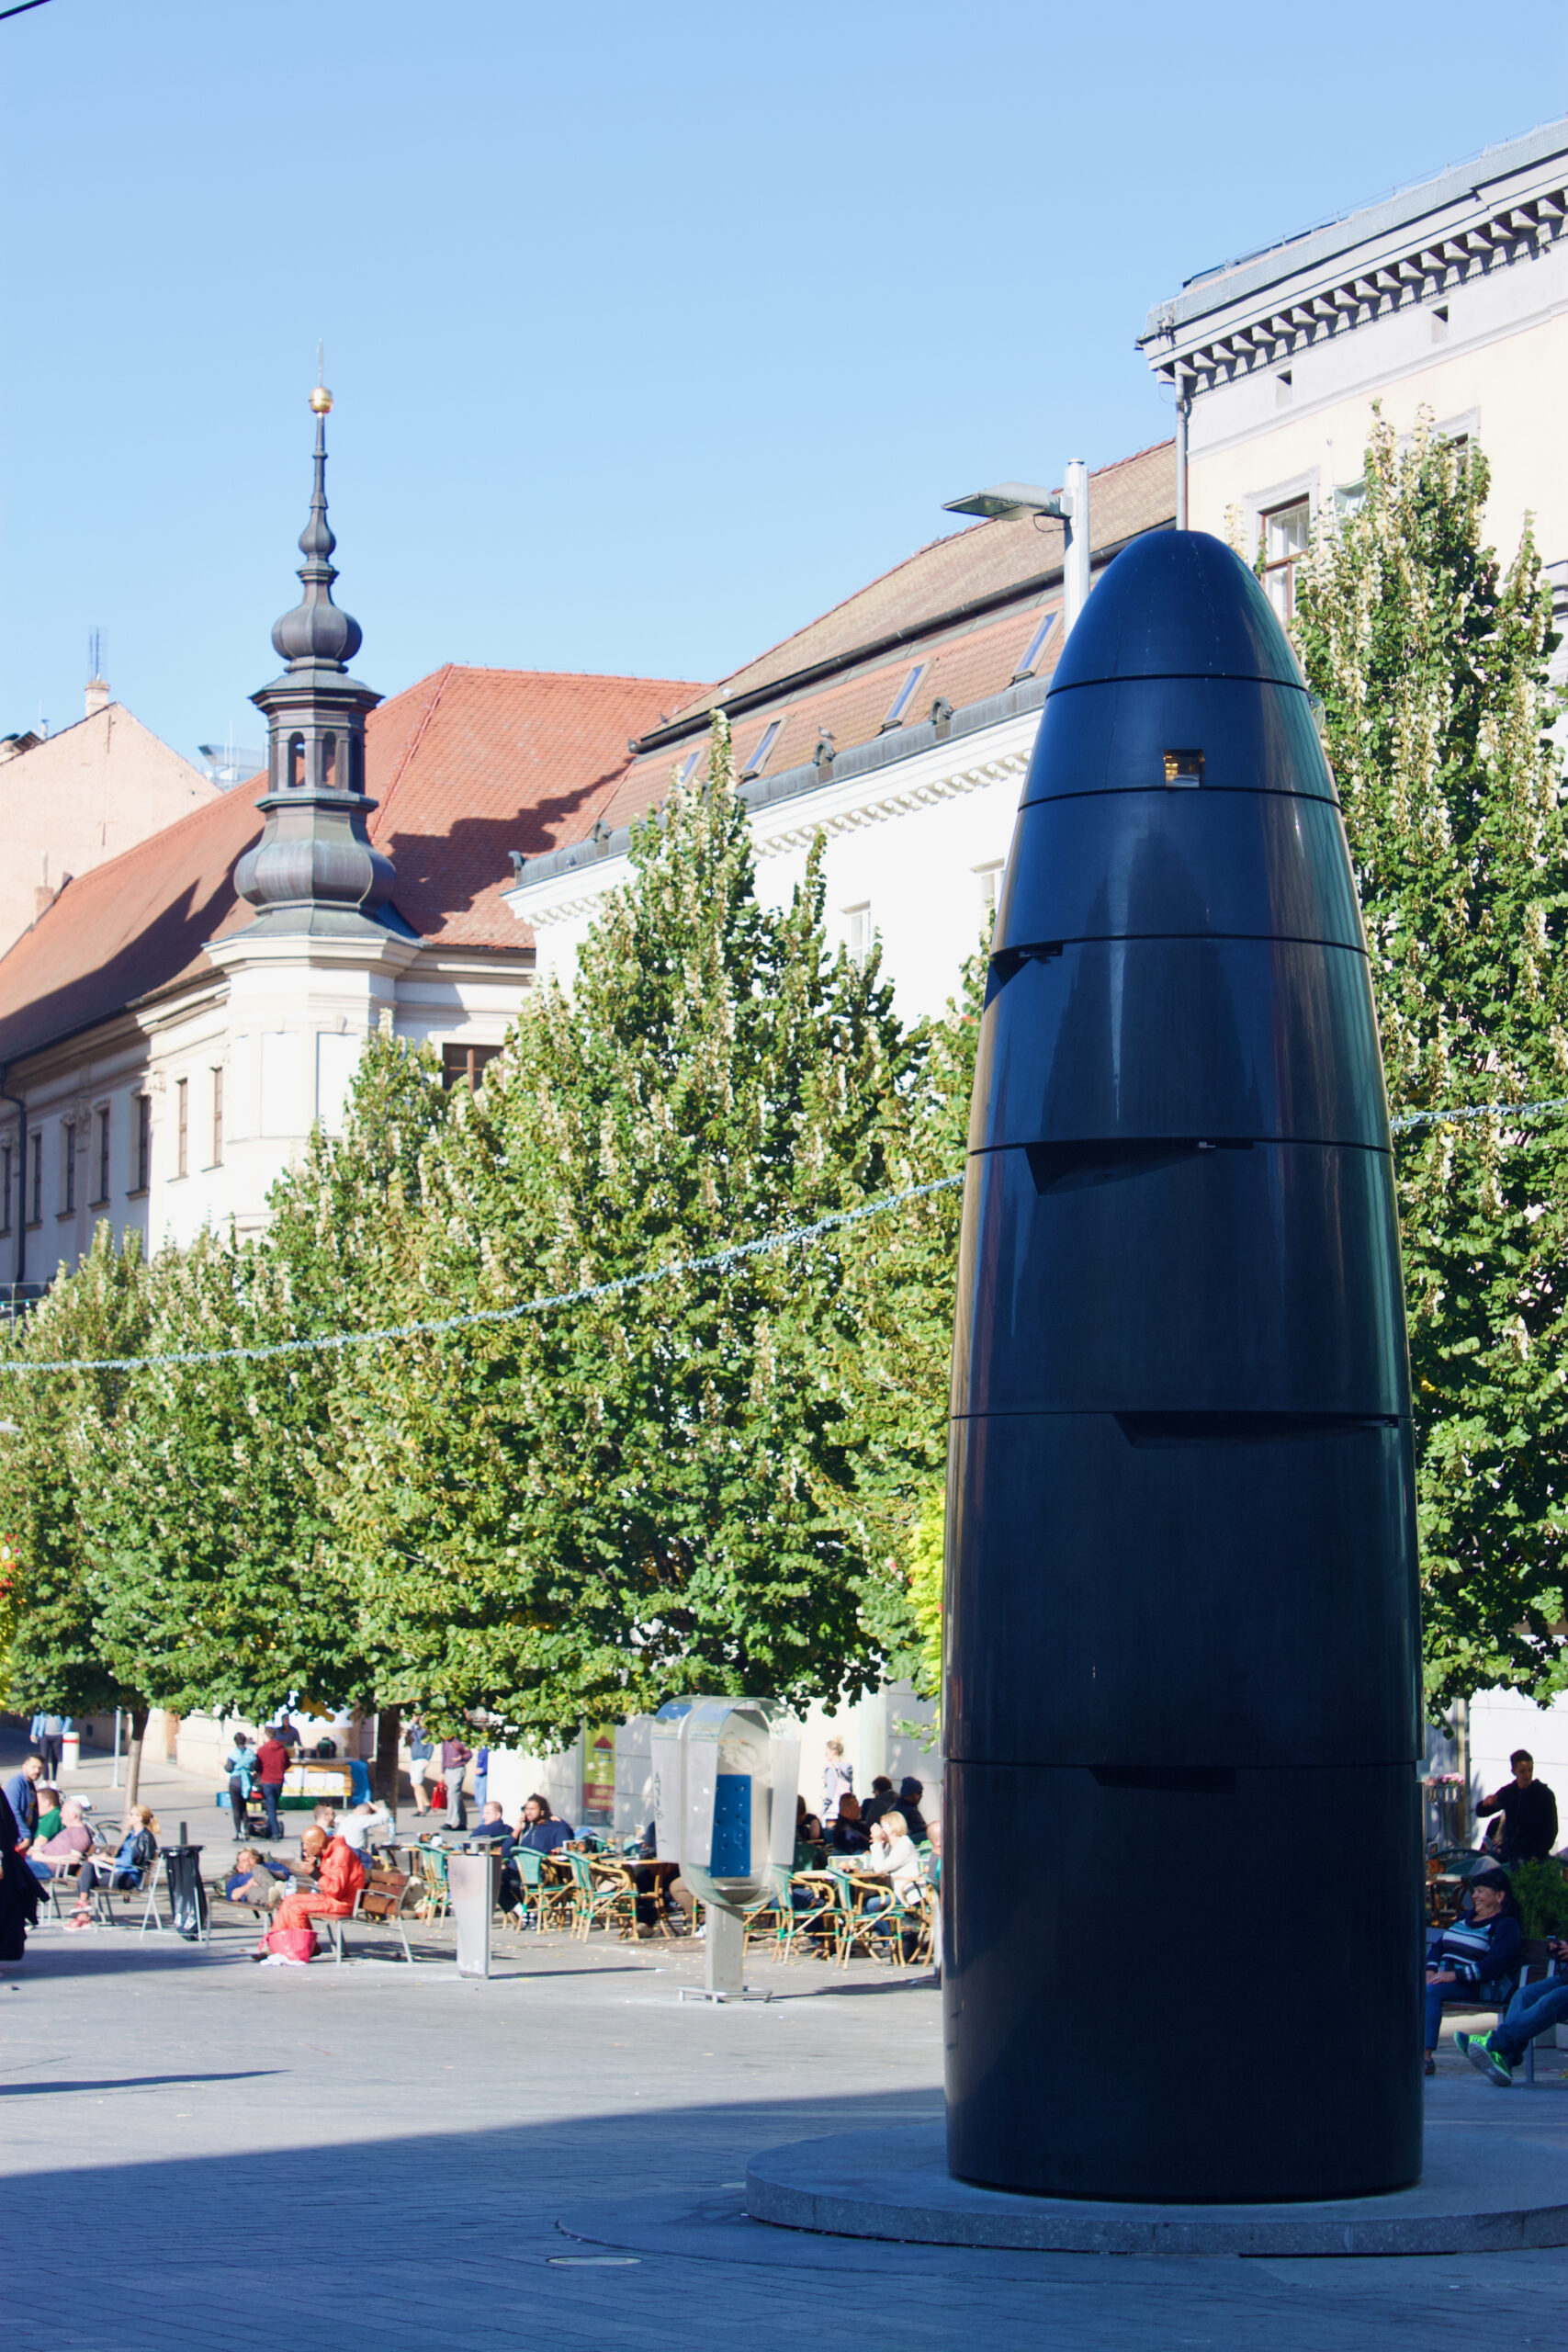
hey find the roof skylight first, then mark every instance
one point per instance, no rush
(758, 758)
(905, 696)
(1030, 661)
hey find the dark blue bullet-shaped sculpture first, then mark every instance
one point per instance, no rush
(1182, 1860)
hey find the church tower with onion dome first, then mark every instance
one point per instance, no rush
(315, 873)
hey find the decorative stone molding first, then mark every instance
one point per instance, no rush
(789, 826)
(1222, 352)
(878, 807)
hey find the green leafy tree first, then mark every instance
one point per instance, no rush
(587, 1510)
(894, 1350)
(1432, 667)
(66, 1431)
(223, 1581)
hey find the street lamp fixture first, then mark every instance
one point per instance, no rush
(1011, 502)
(1008, 501)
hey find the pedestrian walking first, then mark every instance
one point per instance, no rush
(50, 1743)
(420, 1752)
(455, 1756)
(240, 1767)
(272, 1765)
(838, 1781)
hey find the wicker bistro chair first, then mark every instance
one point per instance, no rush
(819, 1914)
(548, 1898)
(773, 1921)
(604, 1895)
(434, 1895)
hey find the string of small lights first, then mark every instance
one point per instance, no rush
(716, 1262)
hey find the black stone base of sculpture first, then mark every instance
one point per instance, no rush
(1136, 1947)
(1485, 2190)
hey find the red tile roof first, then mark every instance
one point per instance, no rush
(970, 655)
(466, 766)
(985, 560)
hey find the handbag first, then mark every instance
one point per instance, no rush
(292, 1943)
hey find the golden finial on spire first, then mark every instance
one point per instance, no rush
(321, 398)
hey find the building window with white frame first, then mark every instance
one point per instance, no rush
(100, 1196)
(181, 1127)
(989, 878)
(218, 1115)
(68, 1167)
(1284, 531)
(857, 933)
(5, 1159)
(37, 1186)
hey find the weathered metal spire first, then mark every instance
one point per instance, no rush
(315, 631)
(314, 872)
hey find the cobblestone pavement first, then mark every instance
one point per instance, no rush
(201, 2151)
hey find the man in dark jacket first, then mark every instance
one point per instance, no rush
(1529, 1828)
(881, 1800)
(910, 1791)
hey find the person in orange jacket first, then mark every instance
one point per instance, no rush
(338, 1874)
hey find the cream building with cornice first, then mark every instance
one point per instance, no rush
(1451, 297)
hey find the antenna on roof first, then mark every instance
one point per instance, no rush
(95, 653)
(321, 363)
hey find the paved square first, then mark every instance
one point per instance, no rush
(205, 2153)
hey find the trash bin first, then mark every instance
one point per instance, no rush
(71, 1751)
(472, 1883)
(188, 1896)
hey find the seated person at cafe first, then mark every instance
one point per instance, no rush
(62, 1855)
(1535, 2008)
(323, 1817)
(910, 1791)
(881, 1800)
(137, 1852)
(361, 1824)
(809, 1852)
(891, 1856)
(845, 1834)
(48, 1812)
(338, 1875)
(255, 1880)
(1478, 1955)
(491, 1828)
(539, 1831)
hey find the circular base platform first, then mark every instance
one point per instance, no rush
(1483, 2192)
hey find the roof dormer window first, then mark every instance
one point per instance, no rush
(1035, 648)
(764, 750)
(898, 707)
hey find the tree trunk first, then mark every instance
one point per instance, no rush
(133, 1754)
(384, 1778)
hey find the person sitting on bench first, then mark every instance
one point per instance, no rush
(1479, 1954)
(1534, 2008)
(256, 1881)
(338, 1875)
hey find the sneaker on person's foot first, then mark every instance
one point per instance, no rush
(1493, 2065)
(1464, 2043)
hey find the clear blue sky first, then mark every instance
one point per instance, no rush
(653, 331)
